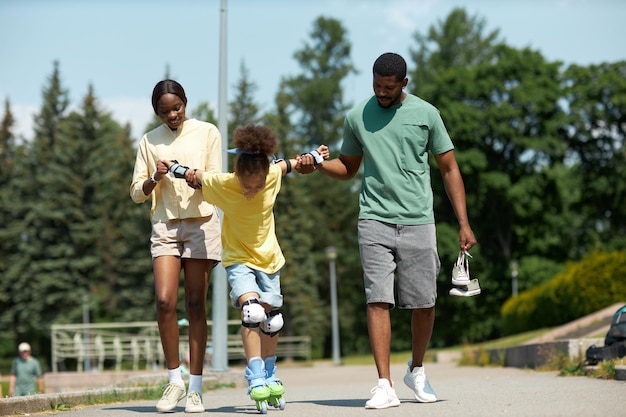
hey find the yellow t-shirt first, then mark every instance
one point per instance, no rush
(198, 145)
(248, 231)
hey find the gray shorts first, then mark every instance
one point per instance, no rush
(408, 251)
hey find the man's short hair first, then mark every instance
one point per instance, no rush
(390, 64)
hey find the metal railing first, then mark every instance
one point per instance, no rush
(91, 345)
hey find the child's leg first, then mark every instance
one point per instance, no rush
(255, 374)
(269, 342)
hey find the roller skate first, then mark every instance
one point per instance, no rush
(464, 285)
(275, 385)
(257, 388)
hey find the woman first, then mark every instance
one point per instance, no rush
(185, 232)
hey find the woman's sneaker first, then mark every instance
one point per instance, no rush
(172, 394)
(418, 382)
(194, 403)
(384, 396)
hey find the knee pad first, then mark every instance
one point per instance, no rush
(273, 323)
(253, 313)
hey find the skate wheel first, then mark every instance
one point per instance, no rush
(281, 403)
(261, 406)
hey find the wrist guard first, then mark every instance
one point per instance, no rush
(317, 157)
(178, 170)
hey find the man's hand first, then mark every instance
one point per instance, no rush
(466, 238)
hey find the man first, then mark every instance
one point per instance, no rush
(24, 371)
(392, 133)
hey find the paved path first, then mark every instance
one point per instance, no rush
(325, 390)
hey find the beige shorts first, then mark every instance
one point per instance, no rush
(198, 238)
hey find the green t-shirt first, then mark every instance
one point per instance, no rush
(26, 373)
(394, 143)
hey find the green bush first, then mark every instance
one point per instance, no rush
(595, 282)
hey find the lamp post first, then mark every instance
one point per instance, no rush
(331, 255)
(219, 329)
(514, 265)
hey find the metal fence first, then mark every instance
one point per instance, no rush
(100, 345)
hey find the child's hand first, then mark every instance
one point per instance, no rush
(304, 164)
(194, 178)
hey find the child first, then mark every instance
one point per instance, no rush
(252, 256)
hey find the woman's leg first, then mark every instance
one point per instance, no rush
(166, 279)
(197, 273)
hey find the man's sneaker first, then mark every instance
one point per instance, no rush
(469, 290)
(172, 394)
(418, 382)
(460, 270)
(384, 396)
(194, 403)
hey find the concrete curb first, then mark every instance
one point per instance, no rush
(58, 401)
(45, 402)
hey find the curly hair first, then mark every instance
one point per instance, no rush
(390, 64)
(257, 144)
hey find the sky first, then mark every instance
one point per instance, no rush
(122, 48)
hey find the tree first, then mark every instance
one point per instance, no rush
(9, 233)
(501, 106)
(457, 42)
(595, 100)
(114, 233)
(324, 210)
(36, 222)
(243, 109)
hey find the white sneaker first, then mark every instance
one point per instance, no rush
(469, 290)
(384, 396)
(460, 270)
(418, 382)
(194, 403)
(172, 394)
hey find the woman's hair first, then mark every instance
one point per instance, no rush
(167, 87)
(256, 144)
(390, 64)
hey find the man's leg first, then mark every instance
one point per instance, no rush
(379, 327)
(422, 322)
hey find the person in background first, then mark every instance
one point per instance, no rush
(252, 255)
(25, 371)
(393, 133)
(185, 233)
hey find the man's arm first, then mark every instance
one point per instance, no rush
(455, 189)
(287, 165)
(342, 168)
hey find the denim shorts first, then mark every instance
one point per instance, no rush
(406, 251)
(243, 279)
(197, 238)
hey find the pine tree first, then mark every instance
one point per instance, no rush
(325, 209)
(9, 233)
